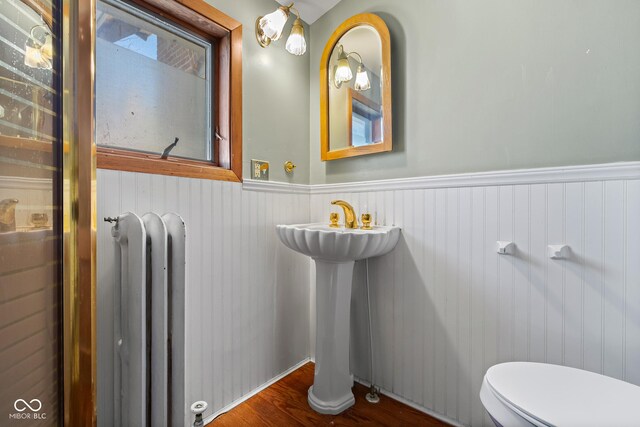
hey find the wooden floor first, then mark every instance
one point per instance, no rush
(285, 404)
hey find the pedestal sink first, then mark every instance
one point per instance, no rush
(334, 251)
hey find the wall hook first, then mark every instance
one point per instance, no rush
(558, 251)
(505, 248)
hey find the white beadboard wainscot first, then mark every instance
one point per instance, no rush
(446, 306)
(247, 295)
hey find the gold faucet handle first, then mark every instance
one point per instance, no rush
(366, 221)
(334, 218)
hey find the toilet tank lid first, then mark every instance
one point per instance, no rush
(562, 396)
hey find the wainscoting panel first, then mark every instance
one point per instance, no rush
(446, 306)
(247, 295)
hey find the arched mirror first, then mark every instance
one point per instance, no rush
(355, 89)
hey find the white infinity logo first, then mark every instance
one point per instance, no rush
(26, 405)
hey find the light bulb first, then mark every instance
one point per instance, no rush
(362, 79)
(273, 23)
(343, 71)
(32, 56)
(296, 44)
(47, 48)
(337, 83)
(39, 54)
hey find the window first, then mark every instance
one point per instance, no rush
(153, 84)
(165, 74)
(361, 130)
(366, 120)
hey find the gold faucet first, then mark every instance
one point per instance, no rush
(350, 220)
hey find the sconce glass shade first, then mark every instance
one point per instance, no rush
(343, 70)
(47, 47)
(39, 53)
(273, 23)
(362, 79)
(296, 44)
(34, 58)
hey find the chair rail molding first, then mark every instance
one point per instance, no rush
(559, 174)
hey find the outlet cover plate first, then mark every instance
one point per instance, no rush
(259, 170)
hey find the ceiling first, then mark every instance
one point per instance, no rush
(311, 10)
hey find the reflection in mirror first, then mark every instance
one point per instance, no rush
(356, 89)
(355, 96)
(365, 126)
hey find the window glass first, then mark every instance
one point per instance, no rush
(153, 84)
(360, 129)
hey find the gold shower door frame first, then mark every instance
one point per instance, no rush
(79, 211)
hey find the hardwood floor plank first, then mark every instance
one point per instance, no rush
(233, 418)
(285, 404)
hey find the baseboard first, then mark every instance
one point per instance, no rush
(411, 404)
(256, 390)
(359, 380)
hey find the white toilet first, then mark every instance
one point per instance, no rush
(538, 394)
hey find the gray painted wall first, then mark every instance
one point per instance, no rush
(275, 96)
(496, 85)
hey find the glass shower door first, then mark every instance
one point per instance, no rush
(30, 220)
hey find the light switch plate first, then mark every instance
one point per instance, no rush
(260, 170)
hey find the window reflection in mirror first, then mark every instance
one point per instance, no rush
(355, 94)
(366, 120)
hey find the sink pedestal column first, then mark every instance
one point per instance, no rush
(331, 389)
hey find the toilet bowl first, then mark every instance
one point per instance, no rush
(519, 394)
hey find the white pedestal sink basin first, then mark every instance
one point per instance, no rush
(334, 251)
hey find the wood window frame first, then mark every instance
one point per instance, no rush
(207, 21)
(376, 133)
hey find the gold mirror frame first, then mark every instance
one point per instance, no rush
(386, 145)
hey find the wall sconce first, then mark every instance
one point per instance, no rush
(342, 71)
(270, 27)
(39, 48)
